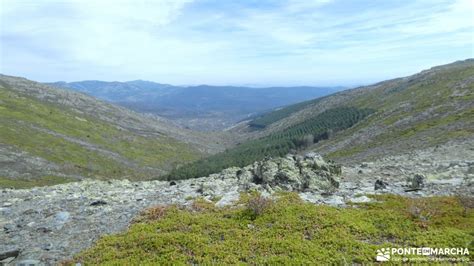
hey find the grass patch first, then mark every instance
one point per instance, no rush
(286, 231)
(6, 182)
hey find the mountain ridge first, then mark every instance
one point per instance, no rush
(201, 107)
(423, 97)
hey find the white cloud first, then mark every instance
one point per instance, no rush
(227, 42)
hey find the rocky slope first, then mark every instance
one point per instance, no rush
(50, 135)
(48, 224)
(422, 110)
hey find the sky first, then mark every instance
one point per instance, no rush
(230, 42)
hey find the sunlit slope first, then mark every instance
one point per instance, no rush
(425, 109)
(49, 135)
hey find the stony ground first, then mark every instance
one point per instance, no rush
(48, 224)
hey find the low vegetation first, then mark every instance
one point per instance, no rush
(37, 182)
(285, 231)
(277, 144)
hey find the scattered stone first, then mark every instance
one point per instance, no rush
(29, 263)
(416, 182)
(361, 199)
(9, 253)
(335, 201)
(379, 184)
(7, 261)
(228, 199)
(46, 246)
(9, 227)
(61, 218)
(98, 203)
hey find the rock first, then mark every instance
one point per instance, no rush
(228, 199)
(9, 253)
(294, 173)
(266, 171)
(379, 184)
(172, 183)
(361, 199)
(7, 204)
(98, 203)
(7, 261)
(310, 155)
(9, 227)
(244, 176)
(4, 211)
(416, 182)
(46, 246)
(311, 197)
(29, 263)
(61, 218)
(334, 201)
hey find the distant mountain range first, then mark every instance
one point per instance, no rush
(198, 107)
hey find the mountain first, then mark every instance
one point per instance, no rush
(199, 107)
(422, 110)
(396, 116)
(49, 135)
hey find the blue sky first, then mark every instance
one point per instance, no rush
(253, 42)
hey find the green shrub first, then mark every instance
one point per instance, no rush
(289, 232)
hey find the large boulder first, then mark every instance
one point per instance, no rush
(290, 173)
(416, 182)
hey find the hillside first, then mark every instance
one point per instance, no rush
(400, 115)
(422, 110)
(200, 107)
(221, 218)
(50, 135)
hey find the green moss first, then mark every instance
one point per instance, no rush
(289, 231)
(37, 182)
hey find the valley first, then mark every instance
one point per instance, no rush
(202, 107)
(204, 132)
(95, 169)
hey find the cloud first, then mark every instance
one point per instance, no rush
(266, 42)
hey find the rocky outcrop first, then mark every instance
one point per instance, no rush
(290, 173)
